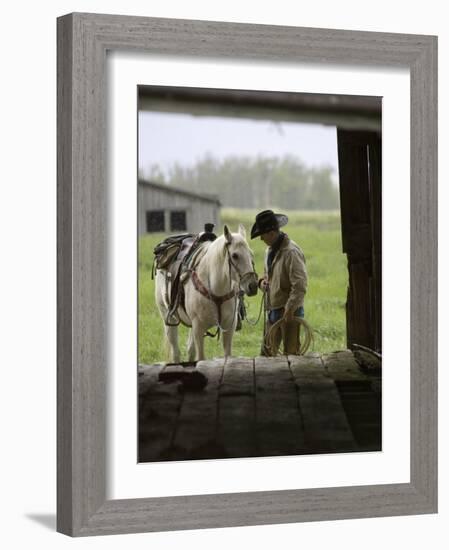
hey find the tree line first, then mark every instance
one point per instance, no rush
(249, 182)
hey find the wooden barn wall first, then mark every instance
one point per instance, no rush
(198, 211)
(360, 168)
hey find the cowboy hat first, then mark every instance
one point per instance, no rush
(267, 221)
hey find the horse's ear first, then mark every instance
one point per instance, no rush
(242, 230)
(227, 234)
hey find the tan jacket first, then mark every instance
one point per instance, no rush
(288, 277)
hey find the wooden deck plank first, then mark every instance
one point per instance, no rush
(236, 433)
(326, 427)
(196, 429)
(278, 419)
(360, 394)
(364, 412)
(159, 407)
(259, 407)
(305, 367)
(148, 376)
(238, 377)
(370, 364)
(342, 365)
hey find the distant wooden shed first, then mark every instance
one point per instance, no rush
(167, 209)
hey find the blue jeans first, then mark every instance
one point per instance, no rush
(276, 314)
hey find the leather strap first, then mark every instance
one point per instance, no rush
(218, 300)
(210, 295)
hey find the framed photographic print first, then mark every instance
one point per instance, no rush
(232, 395)
(246, 274)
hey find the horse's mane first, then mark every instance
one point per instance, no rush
(217, 248)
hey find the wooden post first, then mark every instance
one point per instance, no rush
(359, 157)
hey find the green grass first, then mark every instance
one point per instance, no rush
(318, 234)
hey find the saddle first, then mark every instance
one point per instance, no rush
(175, 269)
(173, 255)
(166, 252)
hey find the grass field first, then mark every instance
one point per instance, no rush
(318, 234)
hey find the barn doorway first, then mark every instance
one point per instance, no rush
(357, 124)
(328, 400)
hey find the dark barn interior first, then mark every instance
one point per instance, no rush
(284, 405)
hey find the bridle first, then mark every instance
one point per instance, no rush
(232, 264)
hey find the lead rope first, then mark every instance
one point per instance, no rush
(254, 323)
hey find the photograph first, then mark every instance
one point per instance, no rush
(259, 238)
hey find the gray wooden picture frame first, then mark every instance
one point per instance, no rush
(83, 40)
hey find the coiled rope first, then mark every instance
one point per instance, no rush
(271, 336)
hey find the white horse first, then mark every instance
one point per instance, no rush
(222, 268)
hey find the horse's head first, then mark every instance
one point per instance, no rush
(240, 260)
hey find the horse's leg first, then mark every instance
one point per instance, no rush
(191, 346)
(198, 339)
(227, 342)
(172, 336)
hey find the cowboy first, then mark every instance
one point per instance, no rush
(284, 281)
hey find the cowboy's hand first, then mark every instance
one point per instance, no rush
(288, 315)
(263, 285)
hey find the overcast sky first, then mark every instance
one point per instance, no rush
(166, 138)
